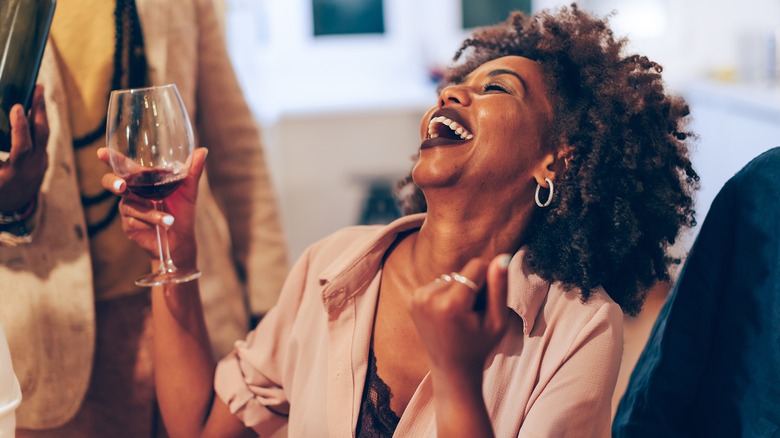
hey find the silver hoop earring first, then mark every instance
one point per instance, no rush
(549, 195)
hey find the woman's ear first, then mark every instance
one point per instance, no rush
(553, 164)
(546, 170)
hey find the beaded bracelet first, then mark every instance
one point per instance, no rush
(18, 215)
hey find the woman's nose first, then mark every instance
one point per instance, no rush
(454, 94)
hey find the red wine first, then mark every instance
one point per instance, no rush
(24, 27)
(154, 183)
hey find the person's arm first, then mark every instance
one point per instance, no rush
(21, 174)
(458, 340)
(184, 365)
(667, 378)
(237, 171)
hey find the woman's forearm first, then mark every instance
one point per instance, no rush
(184, 364)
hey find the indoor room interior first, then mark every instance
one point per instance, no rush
(490, 315)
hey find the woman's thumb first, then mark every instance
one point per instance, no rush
(497, 281)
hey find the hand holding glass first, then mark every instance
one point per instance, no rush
(150, 144)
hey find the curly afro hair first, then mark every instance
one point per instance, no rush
(627, 189)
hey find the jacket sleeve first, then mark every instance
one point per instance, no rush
(667, 381)
(236, 168)
(577, 401)
(668, 373)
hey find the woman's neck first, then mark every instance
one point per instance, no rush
(450, 237)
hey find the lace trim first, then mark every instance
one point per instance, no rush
(376, 419)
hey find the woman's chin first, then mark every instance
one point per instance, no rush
(432, 178)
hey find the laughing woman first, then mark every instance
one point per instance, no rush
(554, 173)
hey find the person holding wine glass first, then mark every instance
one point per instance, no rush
(78, 326)
(554, 173)
(151, 142)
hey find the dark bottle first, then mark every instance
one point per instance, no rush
(24, 28)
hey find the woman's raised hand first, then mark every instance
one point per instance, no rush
(139, 217)
(459, 338)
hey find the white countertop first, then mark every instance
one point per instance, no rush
(756, 100)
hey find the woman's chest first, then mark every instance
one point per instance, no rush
(401, 359)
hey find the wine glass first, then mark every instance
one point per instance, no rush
(150, 145)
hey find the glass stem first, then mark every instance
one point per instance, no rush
(166, 262)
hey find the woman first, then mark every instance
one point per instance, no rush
(551, 165)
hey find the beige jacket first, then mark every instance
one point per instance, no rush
(46, 295)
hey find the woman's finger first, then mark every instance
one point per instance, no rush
(136, 227)
(497, 291)
(190, 186)
(470, 280)
(21, 143)
(144, 213)
(102, 154)
(39, 119)
(198, 162)
(113, 184)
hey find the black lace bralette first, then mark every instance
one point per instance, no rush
(377, 419)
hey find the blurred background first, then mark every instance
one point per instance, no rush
(339, 87)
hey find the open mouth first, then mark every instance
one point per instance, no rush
(444, 127)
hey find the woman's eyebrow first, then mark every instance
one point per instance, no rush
(503, 71)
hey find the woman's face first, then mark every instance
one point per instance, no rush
(487, 132)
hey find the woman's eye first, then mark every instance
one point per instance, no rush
(494, 87)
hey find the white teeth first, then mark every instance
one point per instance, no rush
(453, 125)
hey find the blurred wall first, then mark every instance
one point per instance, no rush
(321, 94)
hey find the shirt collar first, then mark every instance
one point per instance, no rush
(351, 273)
(527, 291)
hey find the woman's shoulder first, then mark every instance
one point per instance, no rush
(346, 240)
(597, 309)
(572, 325)
(545, 305)
(353, 242)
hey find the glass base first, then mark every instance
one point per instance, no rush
(168, 277)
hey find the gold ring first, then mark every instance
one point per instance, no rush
(463, 280)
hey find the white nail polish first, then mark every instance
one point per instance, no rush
(167, 220)
(503, 260)
(118, 185)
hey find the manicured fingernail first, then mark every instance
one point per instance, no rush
(167, 220)
(503, 260)
(119, 184)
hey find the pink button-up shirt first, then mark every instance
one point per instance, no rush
(305, 364)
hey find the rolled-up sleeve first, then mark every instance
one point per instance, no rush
(250, 379)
